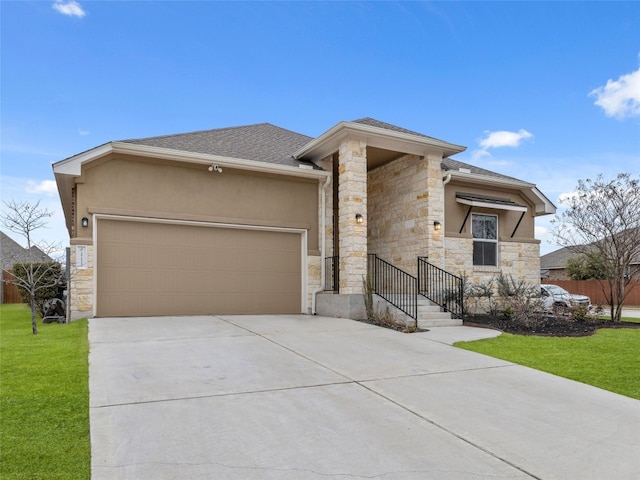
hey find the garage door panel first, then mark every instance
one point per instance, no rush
(161, 269)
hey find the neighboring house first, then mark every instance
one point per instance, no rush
(11, 253)
(240, 220)
(553, 265)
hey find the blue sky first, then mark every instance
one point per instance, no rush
(548, 92)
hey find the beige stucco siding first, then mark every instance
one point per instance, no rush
(507, 220)
(138, 187)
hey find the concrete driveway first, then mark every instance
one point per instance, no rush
(303, 397)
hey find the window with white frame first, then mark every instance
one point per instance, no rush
(484, 229)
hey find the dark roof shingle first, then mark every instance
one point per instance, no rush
(11, 252)
(261, 142)
(372, 122)
(264, 142)
(451, 164)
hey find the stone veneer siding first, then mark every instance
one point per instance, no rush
(520, 259)
(404, 198)
(81, 301)
(314, 265)
(352, 195)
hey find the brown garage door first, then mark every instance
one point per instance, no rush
(146, 269)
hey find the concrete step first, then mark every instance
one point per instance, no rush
(429, 314)
(444, 322)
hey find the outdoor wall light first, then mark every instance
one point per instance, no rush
(359, 218)
(437, 226)
(85, 222)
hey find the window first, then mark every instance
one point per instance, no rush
(484, 229)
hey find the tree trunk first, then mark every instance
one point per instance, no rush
(34, 324)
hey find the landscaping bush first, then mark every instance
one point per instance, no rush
(46, 278)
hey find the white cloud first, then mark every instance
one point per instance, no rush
(47, 187)
(70, 8)
(83, 133)
(501, 138)
(504, 138)
(620, 98)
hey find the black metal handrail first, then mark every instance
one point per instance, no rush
(331, 278)
(441, 287)
(394, 285)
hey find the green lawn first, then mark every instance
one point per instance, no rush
(609, 359)
(44, 398)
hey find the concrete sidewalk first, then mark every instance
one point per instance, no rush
(302, 397)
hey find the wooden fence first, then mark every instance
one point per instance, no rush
(8, 290)
(593, 289)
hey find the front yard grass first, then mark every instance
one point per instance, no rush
(44, 398)
(608, 359)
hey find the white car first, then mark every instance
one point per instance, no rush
(558, 297)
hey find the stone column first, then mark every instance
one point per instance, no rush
(435, 210)
(352, 198)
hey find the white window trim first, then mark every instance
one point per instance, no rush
(487, 240)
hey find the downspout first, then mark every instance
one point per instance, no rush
(445, 180)
(323, 247)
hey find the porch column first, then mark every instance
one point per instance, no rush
(435, 210)
(352, 200)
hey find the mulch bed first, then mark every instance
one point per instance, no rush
(547, 326)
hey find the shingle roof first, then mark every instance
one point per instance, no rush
(261, 142)
(557, 259)
(264, 142)
(451, 164)
(372, 122)
(11, 252)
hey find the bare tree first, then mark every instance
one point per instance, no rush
(602, 222)
(36, 275)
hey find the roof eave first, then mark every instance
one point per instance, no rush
(329, 142)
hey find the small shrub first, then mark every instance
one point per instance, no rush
(527, 308)
(522, 302)
(485, 291)
(579, 313)
(508, 312)
(385, 318)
